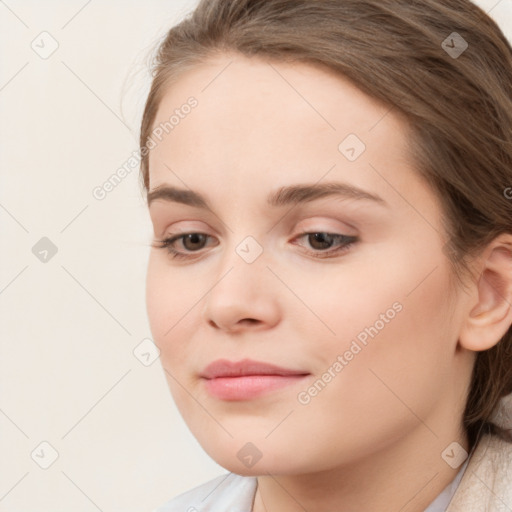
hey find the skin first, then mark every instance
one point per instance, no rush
(372, 439)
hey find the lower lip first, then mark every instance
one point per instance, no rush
(250, 386)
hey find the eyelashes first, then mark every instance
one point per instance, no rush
(345, 242)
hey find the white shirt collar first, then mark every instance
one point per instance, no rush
(440, 504)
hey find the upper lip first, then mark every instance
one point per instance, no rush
(226, 368)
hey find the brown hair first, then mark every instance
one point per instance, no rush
(459, 109)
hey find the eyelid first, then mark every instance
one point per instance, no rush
(184, 228)
(303, 224)
(326, 224)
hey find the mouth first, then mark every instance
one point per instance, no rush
(247, 379)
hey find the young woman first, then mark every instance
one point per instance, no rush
(330, 283)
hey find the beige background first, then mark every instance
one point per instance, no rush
(68, 373)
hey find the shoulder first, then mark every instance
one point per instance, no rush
(487, 480)
(226, 492)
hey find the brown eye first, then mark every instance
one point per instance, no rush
(320, 240)
(193, 241)
(321, 243)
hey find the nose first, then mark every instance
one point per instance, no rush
(243, 297)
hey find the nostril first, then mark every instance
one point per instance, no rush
(249, 320)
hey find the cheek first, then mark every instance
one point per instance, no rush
(391, 381)
(170, 298)
(400, 345)
(394, 319)
(158, 299)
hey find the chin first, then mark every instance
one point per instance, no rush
(252, 459)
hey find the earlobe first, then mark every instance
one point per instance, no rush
(489, 319)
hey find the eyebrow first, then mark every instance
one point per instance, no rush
(284, 196)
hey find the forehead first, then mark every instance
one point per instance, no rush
(271, 123)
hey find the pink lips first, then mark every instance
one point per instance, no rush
(246, 379)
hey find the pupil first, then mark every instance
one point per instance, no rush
(320, 237)
(194, 238)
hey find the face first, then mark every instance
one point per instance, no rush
(348, 290)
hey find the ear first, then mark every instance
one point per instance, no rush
(491, 316)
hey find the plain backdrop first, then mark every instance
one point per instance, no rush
(86, 423)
